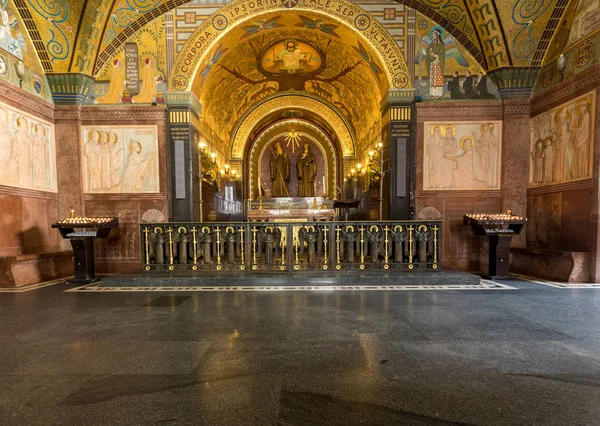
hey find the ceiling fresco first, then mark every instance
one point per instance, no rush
(328, 62)
(73, 38)
(577, 38)
(14, 38)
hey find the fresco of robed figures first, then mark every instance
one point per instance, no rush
(120, 159)
(562, 142)
(27, 151)
(462, 156)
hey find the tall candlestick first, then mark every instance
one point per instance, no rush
(259, 194)
(324, 190)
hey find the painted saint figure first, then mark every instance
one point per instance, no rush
(148, 91)
(290, 57)
(454, 87)
(280, 172)
(116, 85)
(468, 87)
(580, 139)
(435, 56)
(307, 172)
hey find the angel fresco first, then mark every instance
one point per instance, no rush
(257, 26)
(433, 50)
(214, 57)
(12, 43)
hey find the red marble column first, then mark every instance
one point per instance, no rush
(515, 160)
(595, 216)
(68, 161)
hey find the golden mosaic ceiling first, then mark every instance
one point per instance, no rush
(77, 36)
(332, 65)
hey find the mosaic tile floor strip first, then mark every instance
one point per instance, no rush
(484, 285)
(556, 284)
(32, 287)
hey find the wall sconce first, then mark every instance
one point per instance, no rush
(213, 157)
(359, 168)
(222, 172)
(561, 65)
(202, 146)
(352, 172)
(227, 167)
(233, 174)
(20, 70)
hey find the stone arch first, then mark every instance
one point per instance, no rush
(230, 17)
(257, 148)
(247, 123)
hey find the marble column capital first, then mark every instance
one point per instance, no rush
(515, 82)
(69, 88)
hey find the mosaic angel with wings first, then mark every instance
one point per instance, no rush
(433, 50)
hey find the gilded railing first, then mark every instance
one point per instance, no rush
(291, 246)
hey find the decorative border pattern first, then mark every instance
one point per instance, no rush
(492, 110)
(123, 114)
(20, 99)
(484, 285)
(31, 287)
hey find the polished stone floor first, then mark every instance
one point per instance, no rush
(497, 357)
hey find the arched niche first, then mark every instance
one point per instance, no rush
(283, 102)
(258, 153)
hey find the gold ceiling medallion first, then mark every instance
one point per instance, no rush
(293, 137)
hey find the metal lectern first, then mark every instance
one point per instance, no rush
(82, 240)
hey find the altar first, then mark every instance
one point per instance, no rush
(290, 209)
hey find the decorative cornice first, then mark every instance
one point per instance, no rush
(463, 109)
(126, 113)
(517, 107)
(20, 99)
(572, 87)
(184, 99)
(560, 187)
(30, 193)
(67, 113)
